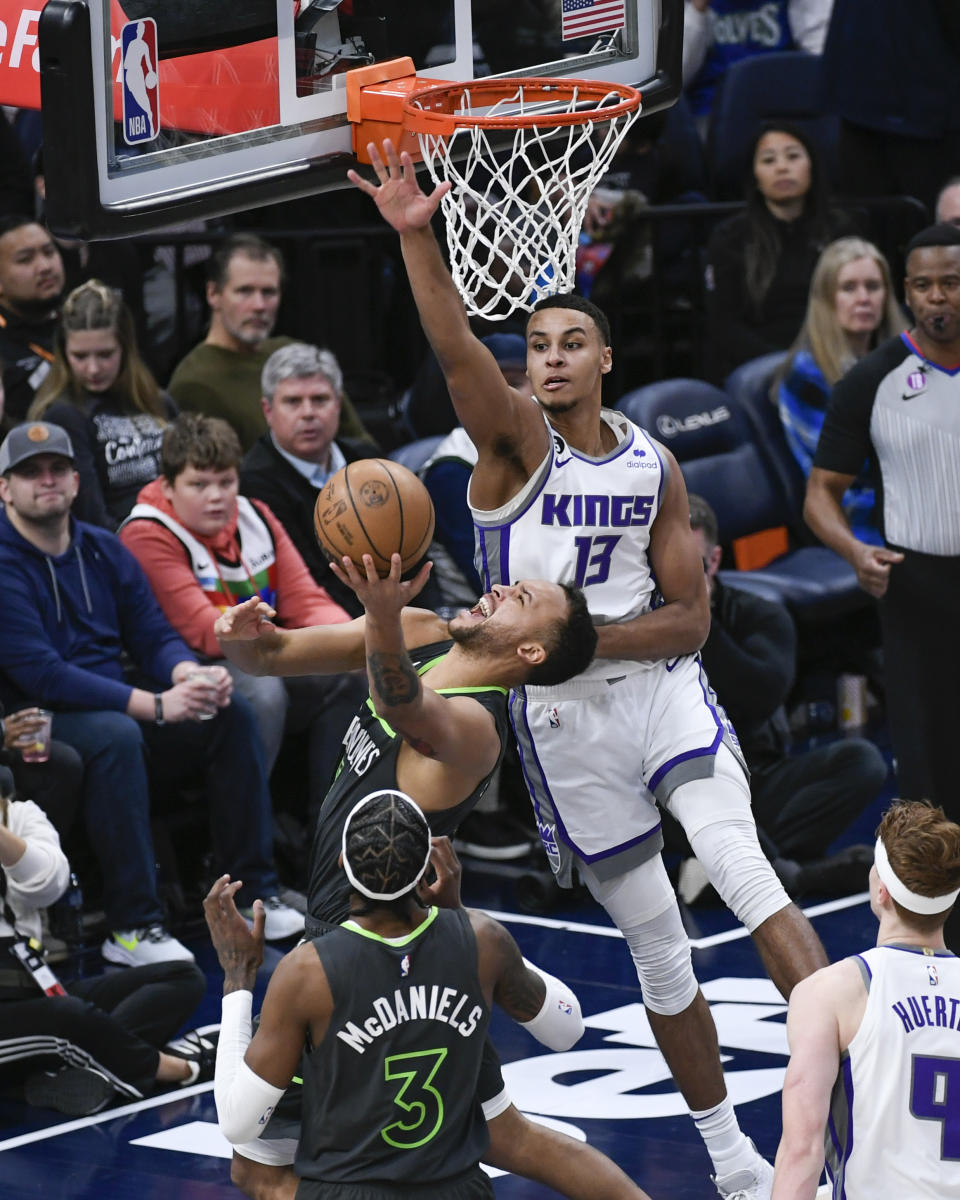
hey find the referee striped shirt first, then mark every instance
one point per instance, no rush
(901, 414)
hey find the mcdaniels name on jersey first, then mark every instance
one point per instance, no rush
(416, 1002)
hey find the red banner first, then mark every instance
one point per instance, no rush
(222, 91)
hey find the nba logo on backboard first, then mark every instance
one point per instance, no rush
(139, 81)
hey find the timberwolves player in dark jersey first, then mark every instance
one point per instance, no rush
(393, 1006)
(434, 727)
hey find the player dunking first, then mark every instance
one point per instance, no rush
(566, 490)
(874, 1072)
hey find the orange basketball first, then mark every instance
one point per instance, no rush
(376, 507)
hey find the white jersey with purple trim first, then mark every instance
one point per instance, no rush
(894, 1126)
(586, 521)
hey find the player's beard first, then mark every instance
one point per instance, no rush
(475, 639)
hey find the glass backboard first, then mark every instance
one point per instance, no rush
(157, 111)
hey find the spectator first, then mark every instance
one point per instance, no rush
(760, 261)
(718, 33)
(615, 252)
(801, 802)
(901, 407)
(221, 376)
(54, 785)
(101, 1037)
(102, 393)
(893, 78)
(31, 283)
(948, 202)
(77, 606)
(204, 549)
(851, 309)
(302, 396)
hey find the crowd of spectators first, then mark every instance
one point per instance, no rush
(141, 500)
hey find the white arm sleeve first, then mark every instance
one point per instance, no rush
(244, 1100)
(559, 1023)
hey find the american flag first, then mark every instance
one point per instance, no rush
(583, 17)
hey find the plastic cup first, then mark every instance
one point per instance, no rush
(35, 746)
(205, 674)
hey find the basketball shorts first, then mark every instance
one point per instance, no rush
(598, 753)
(471, 1185)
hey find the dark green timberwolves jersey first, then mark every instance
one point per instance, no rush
(391, 1092)
(369, 764)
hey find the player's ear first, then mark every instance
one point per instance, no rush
(532, 653)
(606, 361)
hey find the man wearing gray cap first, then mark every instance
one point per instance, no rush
(77, 604)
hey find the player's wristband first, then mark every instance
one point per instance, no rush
(158, 709)
(559, 1023)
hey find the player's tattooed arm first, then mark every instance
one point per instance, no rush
(393, 677)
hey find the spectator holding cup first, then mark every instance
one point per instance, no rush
(77, 609)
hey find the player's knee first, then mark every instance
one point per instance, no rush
(661, 954)
(739, 870)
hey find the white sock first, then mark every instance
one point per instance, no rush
(729, 1149)
(194, 1073)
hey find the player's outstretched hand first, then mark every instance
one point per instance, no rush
(239, 948)
(245, 622)
(444, 891)
(401, 202)
(380, 597)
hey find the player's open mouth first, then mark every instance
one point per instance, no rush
(553, 382)
(485, 607)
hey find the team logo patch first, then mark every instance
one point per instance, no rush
(37, 433)
(548, 835)
(405, 966)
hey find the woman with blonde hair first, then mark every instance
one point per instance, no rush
(850, 310)
(102, 392)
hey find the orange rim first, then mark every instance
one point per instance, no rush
(431, 110)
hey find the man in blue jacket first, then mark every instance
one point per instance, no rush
(76, 603)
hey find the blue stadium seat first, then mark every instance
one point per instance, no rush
(785, 86)
(725, 461)
(414, 454)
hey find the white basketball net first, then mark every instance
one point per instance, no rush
(519, 196)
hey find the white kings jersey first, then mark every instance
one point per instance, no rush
(894, 1127)
(586, 521)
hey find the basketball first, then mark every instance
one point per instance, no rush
(376, 507)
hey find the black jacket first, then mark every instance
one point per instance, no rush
(26, 351)
(266, 475)
(750, 657)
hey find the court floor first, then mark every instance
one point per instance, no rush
(612, 1088)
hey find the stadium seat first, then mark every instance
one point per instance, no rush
(784, 86)
(414, 454)
(725, 461)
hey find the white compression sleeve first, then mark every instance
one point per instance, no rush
(244, 1100)
(559, 1023)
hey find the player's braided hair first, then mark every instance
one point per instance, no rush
(386, 846)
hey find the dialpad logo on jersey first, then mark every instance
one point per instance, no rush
(595, 511)
(359, 749)
(548, 835)
(139, 81)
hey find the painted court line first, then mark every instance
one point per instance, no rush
(39, 1135)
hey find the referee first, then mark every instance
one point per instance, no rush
(898, 411)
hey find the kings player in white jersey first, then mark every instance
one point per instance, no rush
(873, 1083)
(569, 490)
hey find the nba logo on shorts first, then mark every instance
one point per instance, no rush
(554, 718)
(139, 81)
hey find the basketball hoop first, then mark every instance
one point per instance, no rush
(523, 156)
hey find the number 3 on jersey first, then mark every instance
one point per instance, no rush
(593, 558)
(422, 1103)
(935, 1096)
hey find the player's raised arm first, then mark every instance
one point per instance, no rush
(488, 408)
(680, 625)
(452, 729)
